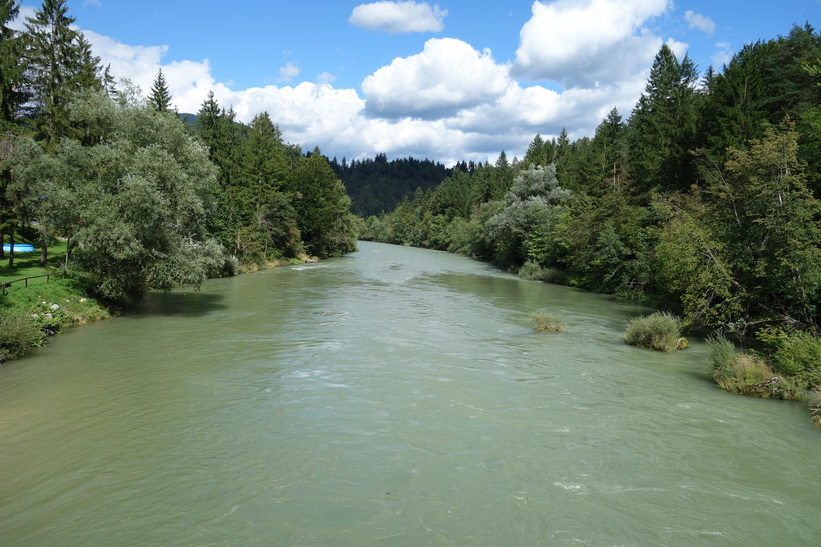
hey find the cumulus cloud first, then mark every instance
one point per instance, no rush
(290, 71)
(479, 109)
(588, 43)
(399, 17)
(448, 75)
(700, 22)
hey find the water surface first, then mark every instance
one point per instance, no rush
(395, 396)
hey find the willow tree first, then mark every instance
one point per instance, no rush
(134, 205)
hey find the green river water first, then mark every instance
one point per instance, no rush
(394, 396)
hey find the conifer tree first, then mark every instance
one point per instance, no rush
(608, 145)
(58, 65)
(160, 97)
(11, 66)
(663, 126)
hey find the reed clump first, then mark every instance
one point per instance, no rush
(660, 331)
(546, 322)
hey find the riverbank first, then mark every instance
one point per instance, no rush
(32, 311)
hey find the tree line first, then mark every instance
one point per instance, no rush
(704, 201)
(378, 185)
(142, 201)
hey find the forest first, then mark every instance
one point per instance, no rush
(703, 202)
(141, 201)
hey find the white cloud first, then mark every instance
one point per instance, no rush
(399, 17)
(448, 75)
(325, 78)
(290, 71)
(481, 110)
(700, 22)
(723, 54)
(588, 43)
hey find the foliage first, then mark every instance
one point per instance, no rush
(663, 125)
(659, 331)
(746, 373)
(795, 353)
(18, 334)
(134, 204)
(545, 322)
(60, 64)
(523, 229)
(160, 98)
(377, 185)
(12, 94)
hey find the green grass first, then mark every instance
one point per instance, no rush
(28, 264)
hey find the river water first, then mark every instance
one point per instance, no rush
(394, 396)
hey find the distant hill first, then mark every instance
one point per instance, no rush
(189, 119)
(377, 185)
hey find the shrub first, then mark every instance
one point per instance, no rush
(18, 334)
(544, 322)
(531, 270)
(795, 353)
(747, 373)
(659, 331)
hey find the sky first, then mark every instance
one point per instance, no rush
(448, 81)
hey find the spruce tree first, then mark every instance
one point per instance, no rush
(12, 95)
(160, 97)
(55, 59)
(663, 126)
(608, 146)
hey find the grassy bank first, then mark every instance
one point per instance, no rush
(29, 315)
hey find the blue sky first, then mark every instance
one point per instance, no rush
(446, 80)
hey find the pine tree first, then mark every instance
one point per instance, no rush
(160, 97)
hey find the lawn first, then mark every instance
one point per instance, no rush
(28, 264)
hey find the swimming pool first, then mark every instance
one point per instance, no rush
(18, 248)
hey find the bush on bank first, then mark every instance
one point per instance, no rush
(747, 373)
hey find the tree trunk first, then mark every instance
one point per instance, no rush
(43, 247)
(11, 248)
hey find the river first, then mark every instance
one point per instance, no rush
(395, 396)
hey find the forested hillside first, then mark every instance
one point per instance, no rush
(704, 201)
(142, 201)
(378, 185)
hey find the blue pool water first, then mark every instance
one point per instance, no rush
(19, 248)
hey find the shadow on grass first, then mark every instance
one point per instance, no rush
(27, 265)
